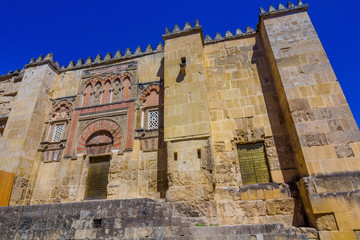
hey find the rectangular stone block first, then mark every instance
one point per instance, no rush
(348, 220)
(337, 235)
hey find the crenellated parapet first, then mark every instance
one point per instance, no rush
(228, 35)
(41, 60)
(10, 74)
(282, 9)
(177, 31)
(108, 59)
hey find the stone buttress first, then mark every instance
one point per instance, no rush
(23, 130)
(186, 117)
(324, 134)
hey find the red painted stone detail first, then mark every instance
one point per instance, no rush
(116, 134)
(100, 142)
(105, 124)
(106, 94)
(87, 96)
(150, 96)
(121, 76)
(126, 90)
(97, 136)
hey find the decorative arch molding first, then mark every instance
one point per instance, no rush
(98, 126)
(109, 77)
(148, 90)
(61, 109)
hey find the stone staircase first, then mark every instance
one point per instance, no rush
(122, 219)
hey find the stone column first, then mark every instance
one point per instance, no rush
(23, 131)
(186, 116)
(324, 134)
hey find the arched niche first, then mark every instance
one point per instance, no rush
(99, 142)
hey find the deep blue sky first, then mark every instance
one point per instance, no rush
(73, 29)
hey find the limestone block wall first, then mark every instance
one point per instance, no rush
(59, 181)
(323, 130)
(23, 132)
(190, 175)
(186, 109)
(244, 108)
(67, 84)
(187, 118)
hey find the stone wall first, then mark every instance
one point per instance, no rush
(188, 116)
(244, 108)
(9, 86)
(122, 219)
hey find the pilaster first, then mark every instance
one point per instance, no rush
(22, 133)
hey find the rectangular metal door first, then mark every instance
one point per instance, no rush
(253, 166)
(97, 181)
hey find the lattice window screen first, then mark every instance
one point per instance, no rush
(153, 120)
(57, 133)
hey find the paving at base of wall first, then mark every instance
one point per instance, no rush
(122, 219)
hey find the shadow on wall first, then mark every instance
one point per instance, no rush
(162, 182)
(283, 159)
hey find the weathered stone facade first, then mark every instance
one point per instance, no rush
(250, 128)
